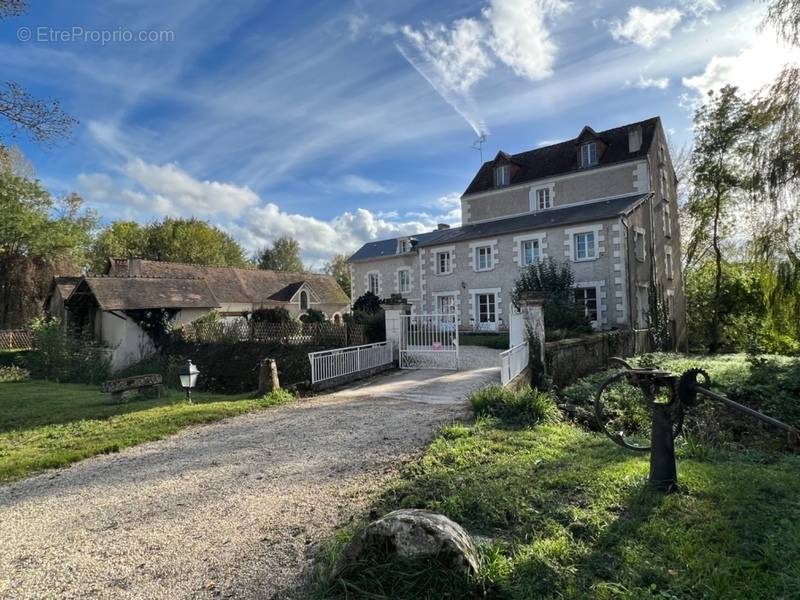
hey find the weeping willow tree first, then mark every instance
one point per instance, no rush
(776, 177)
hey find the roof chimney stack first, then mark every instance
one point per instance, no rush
(634, 138)
(442, 226)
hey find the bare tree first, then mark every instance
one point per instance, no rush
(43, 121)
(12, 8)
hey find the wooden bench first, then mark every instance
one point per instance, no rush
(121, 390)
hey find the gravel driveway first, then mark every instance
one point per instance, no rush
(231, 509)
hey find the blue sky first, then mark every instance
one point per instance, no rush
(341, 122)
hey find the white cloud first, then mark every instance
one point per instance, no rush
(646, 27)
(171, 185)
(355, 184)
(750, 70)
(166, 190)
(455, 55)
(453, 59)
(643, 82)
(700, 8)
(520, 36)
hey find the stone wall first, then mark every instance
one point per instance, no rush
(569, 360)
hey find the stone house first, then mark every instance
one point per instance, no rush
(604, 201)
(105, 305)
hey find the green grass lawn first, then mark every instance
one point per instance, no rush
(498, 341)
(45, 425)
(562, 512)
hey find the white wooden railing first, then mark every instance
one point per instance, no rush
(513, 361)
(329, 364)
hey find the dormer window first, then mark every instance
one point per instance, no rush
(403, 246)
(588, 154)
(502, 176)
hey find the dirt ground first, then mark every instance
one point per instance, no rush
(232, 509)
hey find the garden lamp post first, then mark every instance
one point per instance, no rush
(188, 374)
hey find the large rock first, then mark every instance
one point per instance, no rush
(412, 533)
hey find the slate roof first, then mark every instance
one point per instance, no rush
(556, 217)
(562, 158)
(238, 285)
(132, 293)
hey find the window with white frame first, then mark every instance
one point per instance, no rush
(587, 298)
(446, 305)
(443, 266)
(542, 198)
(404, 281)
(529, 251)
(487, 309)
(403, 246)
(667, 220)
(589, 154)
(668, 262)
(502, 176)
(639, 244)
(483, 258)
(374, 283)
(584, 246)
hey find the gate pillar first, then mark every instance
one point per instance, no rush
(393, 309)
(529, 319)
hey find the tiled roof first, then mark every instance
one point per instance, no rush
(556, 217)
(237, 285)
(132, 293)
(562, 158)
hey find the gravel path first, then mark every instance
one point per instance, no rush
(231, 509)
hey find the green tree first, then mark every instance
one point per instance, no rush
(38, 238)
(339, 268)
(284, 255)
(556, 282)
(122, 239)
(719, 182)
(175, 240)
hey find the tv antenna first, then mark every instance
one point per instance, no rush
(478, 145)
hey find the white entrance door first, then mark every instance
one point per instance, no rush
(487, 311)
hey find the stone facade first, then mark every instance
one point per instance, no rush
(636, 252)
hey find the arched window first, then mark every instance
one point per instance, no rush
(336, 318)
(303, 300)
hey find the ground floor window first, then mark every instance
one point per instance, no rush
(530, 252)
(446, 305)
(487, 310)
(374, 284)
(587, 297)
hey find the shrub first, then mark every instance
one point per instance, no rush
(313, 316)
(11, 374)
(498, 341)
(563, 317)
(368, 303)
(374, 325)
(271, 315)
(59, 356)
(526, 407)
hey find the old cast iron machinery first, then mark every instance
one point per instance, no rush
(643, 394)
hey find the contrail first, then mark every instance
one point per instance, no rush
(462, 102)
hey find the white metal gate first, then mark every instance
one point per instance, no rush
(429, 341)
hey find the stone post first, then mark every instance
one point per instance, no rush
(531, 305)
(268, 376)
(393, 309)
